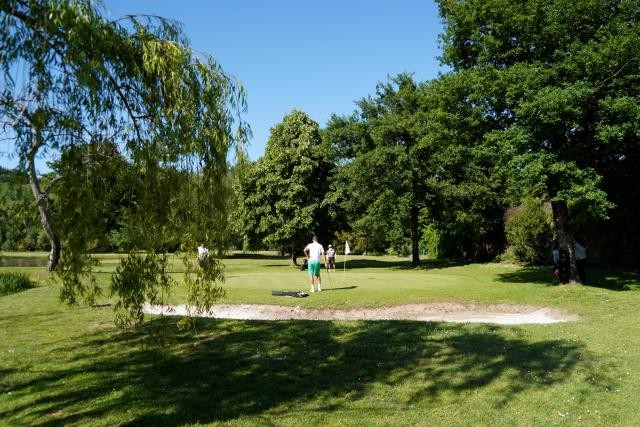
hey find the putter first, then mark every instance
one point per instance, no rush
(329, 276)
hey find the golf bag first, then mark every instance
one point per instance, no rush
(304, 265)
(293, 294)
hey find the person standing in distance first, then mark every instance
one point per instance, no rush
(203, 255)
(314, 251)
(331, 258)
(202, 251)
(581, 260)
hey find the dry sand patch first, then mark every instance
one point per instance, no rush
(503, 314)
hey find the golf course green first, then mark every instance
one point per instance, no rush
(63, 365)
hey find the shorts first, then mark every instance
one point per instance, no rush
(332, 261)
(314, 268)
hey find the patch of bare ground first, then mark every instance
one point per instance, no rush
(504, 314)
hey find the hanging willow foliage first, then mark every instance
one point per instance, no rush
(133, 118)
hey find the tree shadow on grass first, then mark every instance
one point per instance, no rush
(248, 368)
(537, 275)
(255, 256)
(615, 281)
(4, 373)
(341, 288)
(403, 265)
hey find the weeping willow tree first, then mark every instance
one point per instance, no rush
(111, 103)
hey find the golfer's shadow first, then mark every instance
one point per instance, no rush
(343, 288)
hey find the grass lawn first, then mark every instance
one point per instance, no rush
(64, 365)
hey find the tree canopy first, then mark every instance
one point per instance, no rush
(411, 156)
(382, 181)
(74, 84)
(563, 83)
(282, 193)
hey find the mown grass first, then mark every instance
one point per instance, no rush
(69, 366)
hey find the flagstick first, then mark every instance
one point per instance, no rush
(344, 268)
(344, 264)
(347, 251)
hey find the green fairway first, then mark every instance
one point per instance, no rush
(64, 365)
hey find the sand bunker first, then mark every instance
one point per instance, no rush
(503, 314)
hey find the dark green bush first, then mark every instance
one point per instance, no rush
(529, 233)
(357, 243)
(14, 282)
(430, 242)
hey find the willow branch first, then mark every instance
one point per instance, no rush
(51, 183)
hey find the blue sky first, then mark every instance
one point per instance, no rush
(317, 56)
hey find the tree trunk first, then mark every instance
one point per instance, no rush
(415, 237)
(293, 261)
(42, 201)
(568, 268)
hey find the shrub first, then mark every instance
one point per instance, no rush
(431, 242)
(14, 282)
(529, 233)
(357, 243)
(399, 249)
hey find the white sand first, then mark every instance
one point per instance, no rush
(502, 314)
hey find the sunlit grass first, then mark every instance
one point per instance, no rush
(70, 366)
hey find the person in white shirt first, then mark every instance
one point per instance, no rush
(314, 252)
(202, 251)
(203, 254)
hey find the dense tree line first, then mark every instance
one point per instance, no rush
(532, 134)
(20, 229)
(541, 106)
(561, 78)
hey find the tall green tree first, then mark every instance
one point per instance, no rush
(466, 188)
(384, 172)
(71, 78)
(393, 153)
(412, 156)
(562, 80)
(281, 195)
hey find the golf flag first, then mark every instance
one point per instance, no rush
(347, 251)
